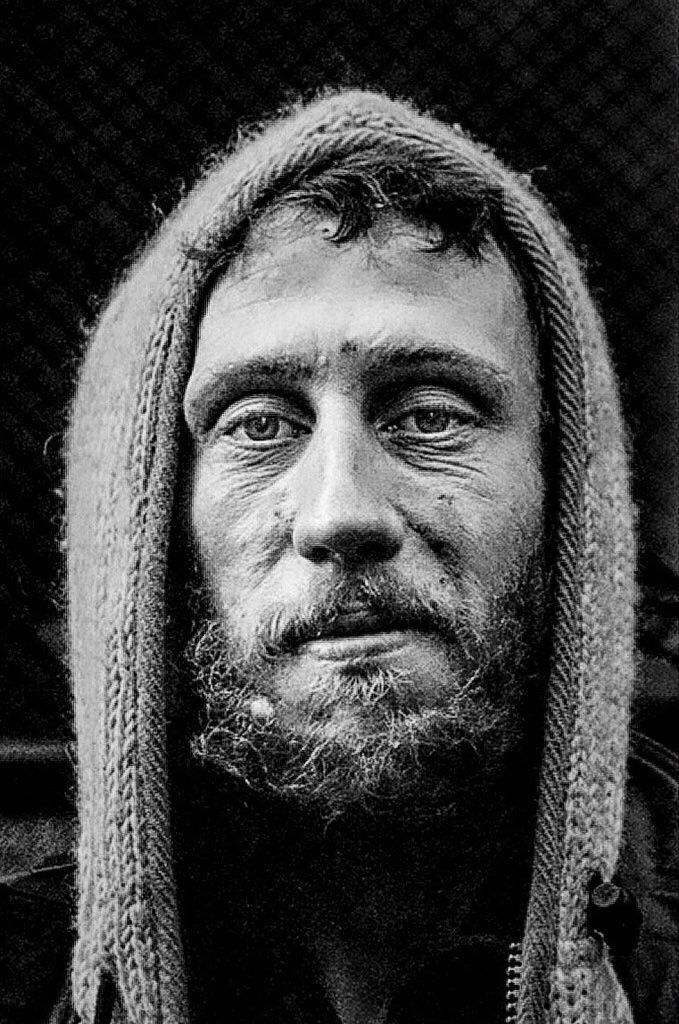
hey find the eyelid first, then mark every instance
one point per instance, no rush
(428, 396)
(265, 404)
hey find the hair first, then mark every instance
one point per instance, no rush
(452, 214)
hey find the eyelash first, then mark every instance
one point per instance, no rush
(259, 408)
(296, 429)
(428, 400)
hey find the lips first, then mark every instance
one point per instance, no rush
(357, 646)
(354, 623)
(356, 634)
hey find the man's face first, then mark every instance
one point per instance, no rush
(367, 504)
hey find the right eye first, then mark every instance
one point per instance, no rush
(263, 428)
(262, 420)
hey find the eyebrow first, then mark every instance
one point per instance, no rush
(395, 354)
(383, 361)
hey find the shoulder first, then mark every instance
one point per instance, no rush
(649, 867)
(36, 935)
(651, 836)
(649, 864)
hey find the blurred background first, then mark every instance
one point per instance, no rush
(109, 109)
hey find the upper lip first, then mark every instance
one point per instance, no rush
(355, 622)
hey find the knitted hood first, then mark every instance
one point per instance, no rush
(122, 473)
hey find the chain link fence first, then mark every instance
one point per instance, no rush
(110, 108)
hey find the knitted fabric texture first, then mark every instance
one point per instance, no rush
(122, 469)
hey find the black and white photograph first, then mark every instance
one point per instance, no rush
(339, 432)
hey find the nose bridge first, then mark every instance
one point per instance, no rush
(344, 459)
(344, 507)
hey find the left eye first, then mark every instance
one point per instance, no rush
(263, 428)
(430, 421)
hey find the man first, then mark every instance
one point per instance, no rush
(349, 517)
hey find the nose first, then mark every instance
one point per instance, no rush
(344, 512)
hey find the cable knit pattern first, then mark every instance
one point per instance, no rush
(122, 470)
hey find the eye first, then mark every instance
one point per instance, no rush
(265, 428)
(428, 421)
(429, 412)
(261, 421)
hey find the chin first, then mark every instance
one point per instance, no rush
(374, 725)
(355, 739)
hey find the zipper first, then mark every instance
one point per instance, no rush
(514, 969)
(106, 999)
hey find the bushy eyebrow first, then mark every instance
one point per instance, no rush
(472, 372)
(220, 384)
(384, 362)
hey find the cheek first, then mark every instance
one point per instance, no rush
(505, 518)
(239, 529)
(484, 517)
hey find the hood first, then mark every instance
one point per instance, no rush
(122, 470)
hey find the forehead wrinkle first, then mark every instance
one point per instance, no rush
(235, 295)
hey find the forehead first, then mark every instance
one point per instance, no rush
(295, 293)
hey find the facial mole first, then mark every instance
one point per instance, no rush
(261, 709)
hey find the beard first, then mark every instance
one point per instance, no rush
(338, 736)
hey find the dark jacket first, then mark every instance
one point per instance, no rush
(36, 934)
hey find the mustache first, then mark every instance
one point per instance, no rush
(394, 603)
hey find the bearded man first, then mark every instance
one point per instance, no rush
(351, 595)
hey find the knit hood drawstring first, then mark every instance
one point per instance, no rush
(123, 456)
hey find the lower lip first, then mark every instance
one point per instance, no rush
(342, 648)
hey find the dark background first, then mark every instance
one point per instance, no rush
(109, 109)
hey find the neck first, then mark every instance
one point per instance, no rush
(372, 898)
(378, 897)
(379, 903)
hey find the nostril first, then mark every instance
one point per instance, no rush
(319, 554)
(353, 553)
(371, 551)
(374, 551)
